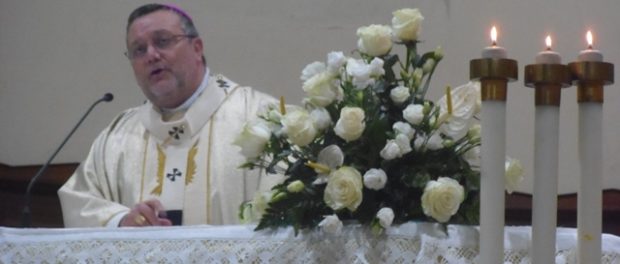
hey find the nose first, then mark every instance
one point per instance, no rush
(152, 54)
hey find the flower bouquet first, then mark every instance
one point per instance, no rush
(367, 145)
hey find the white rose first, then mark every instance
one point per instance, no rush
(351, 124)
(390, 151)
(375, 179)
(414, 113)
(311, 70)
(374, 40)
(344, 189)
(331, 224)
(399, 94)
(322, 89)
(321, 118)
(406, 23)
(514, 174)
(299, 127)
(253, 138)
(335, 61)
(465, 105)
(385, 216)
(403, 128)
(442, 198)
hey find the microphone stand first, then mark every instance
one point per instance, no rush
(26, 214)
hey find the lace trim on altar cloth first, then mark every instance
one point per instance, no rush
(408, 243)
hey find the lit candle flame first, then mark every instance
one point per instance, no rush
(494, 36)
(589, 39)
(548, 42)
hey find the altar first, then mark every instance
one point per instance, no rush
(407, 243)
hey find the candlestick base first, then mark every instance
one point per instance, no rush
(547, 79)
(493, 75)
(590, 77)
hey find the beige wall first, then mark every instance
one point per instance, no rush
(56, 57)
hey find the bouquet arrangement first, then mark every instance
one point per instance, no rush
(367, 145)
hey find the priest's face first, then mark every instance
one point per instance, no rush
(167, 63)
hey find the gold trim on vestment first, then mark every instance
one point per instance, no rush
(146, 152)
(161, 163)
(191, 163)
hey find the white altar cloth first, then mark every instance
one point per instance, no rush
(407, 243)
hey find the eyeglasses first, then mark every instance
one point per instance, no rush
(159, 41)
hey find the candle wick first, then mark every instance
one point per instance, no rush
(494, 43)
(548, 48)
(590, 46)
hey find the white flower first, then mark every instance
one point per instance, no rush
(435, 142)
(403, 128)
(417, 75)
(311, 70)
(253, 138)
(472, 157)
(465, 105)
(344, 189)
(403, 143)
(414, 113)
(385, 216)
(406, 23)
(363, 74)
(474, 132)
(322, 89)
(442, 198)
(295, 186)
(321, 118)
(260, 203)
(351, 124)
(438, 53)
(514, 174)
(375, 179)
(299, 127)
(374, 40)
(331, 224)
(390, 151)
(399, 94)
(331, 157)
(335, 61)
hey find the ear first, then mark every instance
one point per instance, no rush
(198, 48)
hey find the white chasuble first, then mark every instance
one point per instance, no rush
(188, 164)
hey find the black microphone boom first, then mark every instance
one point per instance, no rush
(26, 217)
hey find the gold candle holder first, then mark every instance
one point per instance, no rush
(494, 75)
(590, 77)
(547, 80)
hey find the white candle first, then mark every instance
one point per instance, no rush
(492, 181)
(589, 197)
(544, 219)
(590, 54)
(548, 56)
(494, 51)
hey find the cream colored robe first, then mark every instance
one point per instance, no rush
(187, 164)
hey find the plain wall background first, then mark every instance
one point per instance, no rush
(57, 57)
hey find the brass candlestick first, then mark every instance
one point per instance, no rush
(590, 77)
(547, 79)
(494, 75)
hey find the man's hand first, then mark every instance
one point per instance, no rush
(145, 214)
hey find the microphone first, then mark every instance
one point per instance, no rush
(26, 217)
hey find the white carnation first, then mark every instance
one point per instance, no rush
(331, 224)
(335, 61)
(385, 216)
(403, 128)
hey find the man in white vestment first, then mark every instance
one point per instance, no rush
(173, 154)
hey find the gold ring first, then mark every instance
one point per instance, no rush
(139, 219)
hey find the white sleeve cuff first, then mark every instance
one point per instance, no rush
(116, 220)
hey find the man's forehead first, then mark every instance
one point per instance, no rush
(161, 20)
